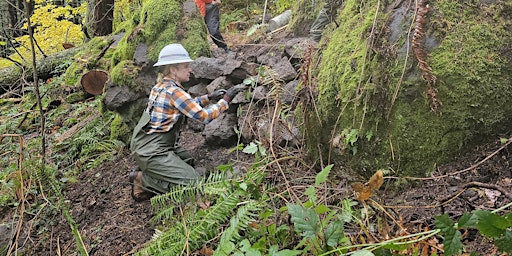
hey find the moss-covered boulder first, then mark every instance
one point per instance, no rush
(386, 104)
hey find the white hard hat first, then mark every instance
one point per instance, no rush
(172, 54)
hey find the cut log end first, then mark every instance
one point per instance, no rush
(94, 81)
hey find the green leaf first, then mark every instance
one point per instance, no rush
(467, 220)
(305, 220)
(334, 233)
(236, 148)
(262, 150)
(245, 246)
(452, 237)
(224, 249)
(321, 209)
(503, 140)
(505, 243)
(491, 224)
(362, 253)
(310, 192)
(273, 251)
(252, 148)
(321, 177)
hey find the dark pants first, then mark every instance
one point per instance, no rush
(212, 20)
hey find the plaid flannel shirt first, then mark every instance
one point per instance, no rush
(168, 101)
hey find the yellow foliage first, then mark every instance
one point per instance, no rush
(49, 32)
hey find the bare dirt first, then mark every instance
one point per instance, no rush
(110, 223)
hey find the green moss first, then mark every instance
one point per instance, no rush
(303, 15)
(195, 39)
(119, 130)
(357, 84)
(86, 59)
(76, 97)
(125, 73)
(158, 16)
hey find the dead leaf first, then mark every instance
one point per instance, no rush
(361, 191)
(376, 180)
(206, 251)
(203, 205)
(364, 191)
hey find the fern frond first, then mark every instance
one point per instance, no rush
(244, 216)
(214, 184)
(164, 214)
(193, 230)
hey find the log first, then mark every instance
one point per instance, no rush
(12, 77)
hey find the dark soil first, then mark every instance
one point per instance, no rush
(110, 223)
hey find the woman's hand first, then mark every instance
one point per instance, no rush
(217, 95)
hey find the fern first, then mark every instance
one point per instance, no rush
(193, 230)
(244, 216)
(214, 184)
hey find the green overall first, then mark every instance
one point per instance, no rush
(163, 162)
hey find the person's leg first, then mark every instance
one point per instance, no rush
(319, 24)
(184, 155)
(212, 20)
(166, 171)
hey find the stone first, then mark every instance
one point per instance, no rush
(220, 131)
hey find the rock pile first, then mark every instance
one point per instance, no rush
(263, 112)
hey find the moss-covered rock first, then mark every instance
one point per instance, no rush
(124, 74)
(303, 15)
(119, 130)
(374, 103)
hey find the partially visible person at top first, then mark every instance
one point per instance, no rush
(325, 16)
(210, 11)
(162, 162)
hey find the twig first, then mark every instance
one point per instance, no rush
(477, 184)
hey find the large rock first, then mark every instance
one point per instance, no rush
(212, 68)
(376, 108)
(220, 131)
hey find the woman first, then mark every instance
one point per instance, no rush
(154, 145)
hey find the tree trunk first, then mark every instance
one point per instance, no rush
(100, 15)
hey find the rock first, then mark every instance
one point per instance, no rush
(220, 131)
(117, 96)
(219, 83)
(284, 69)
(211, 68)
(296, 47)
(259, 93)
(195, 126)
(140, 56)
(269, 54)
(198, 90)
(289, 92)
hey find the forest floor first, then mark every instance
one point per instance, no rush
(111, 223)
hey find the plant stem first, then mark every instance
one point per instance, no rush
(425, 235)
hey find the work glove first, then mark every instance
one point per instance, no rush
(233, 91)
(217, 94)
